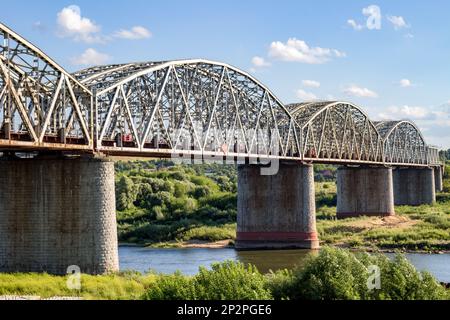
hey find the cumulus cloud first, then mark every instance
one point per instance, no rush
(259, 62)
(311, 83)
(433, 121)
(295, 50)
(91, 57)
(408, 112)
(398, 22)
(72, 25)
(357, 91)
(135, 33)
(306, 96)
(356, 26)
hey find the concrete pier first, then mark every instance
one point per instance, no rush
(414, 186)
(276, 212)
(55, 213)
(364, 191)
(438, 176)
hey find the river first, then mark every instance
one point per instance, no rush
(189, 260)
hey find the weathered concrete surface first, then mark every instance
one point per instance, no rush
(276, 212)
(55, 213)
(364, 191)
(438, 176)
(414, 186)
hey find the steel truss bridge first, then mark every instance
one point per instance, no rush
(191, 107)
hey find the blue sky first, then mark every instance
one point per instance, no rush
(390, 57)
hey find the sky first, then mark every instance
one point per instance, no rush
(391, 58)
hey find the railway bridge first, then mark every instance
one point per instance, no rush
(59, 130)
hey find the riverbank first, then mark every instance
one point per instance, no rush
(317, 278)
(424, 229)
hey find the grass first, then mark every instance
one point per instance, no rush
(206, 233)
(122, 286)
(423, 228)
(333, 274)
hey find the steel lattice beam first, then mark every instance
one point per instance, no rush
(193, 107)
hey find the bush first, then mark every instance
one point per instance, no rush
(226, 281)
(231, 281)
(171, 287)
(337, 274)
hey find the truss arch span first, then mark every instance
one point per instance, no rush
(220, 108)
(403, 142)
(40, 102)
(337, 131)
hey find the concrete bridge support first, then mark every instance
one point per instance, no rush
(278, 211)
(414, 186)
(438, 176)
(55, 213)
(364, 191)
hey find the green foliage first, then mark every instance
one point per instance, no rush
(158, 201)
(171, 287)
(208, 233)
(120, 286)
(225, 281)
(337, 274)
(332, 274)
(126, 193)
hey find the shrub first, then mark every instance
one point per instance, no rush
(171, 287)
(231, 281)
(226, 281)
(337, 274)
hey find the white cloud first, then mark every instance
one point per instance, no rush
(354, 25)
(373, 14)
(71, 24)
(135, 33)
(259, 62)
(405, 83)
(409, 36)
(398, 22)
(295, 50)
(357, 91)
(434, 122)
(407, 112)
(91, 57)
(306, 96)
(311, 83)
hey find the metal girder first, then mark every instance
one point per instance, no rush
(193, 107)
(41, 103)
(337, 130)
(194, 104)
(403, 142)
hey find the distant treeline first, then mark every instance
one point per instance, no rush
(445, 155)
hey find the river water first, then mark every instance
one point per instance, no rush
(189, 260)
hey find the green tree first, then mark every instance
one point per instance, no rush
(126, 193)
